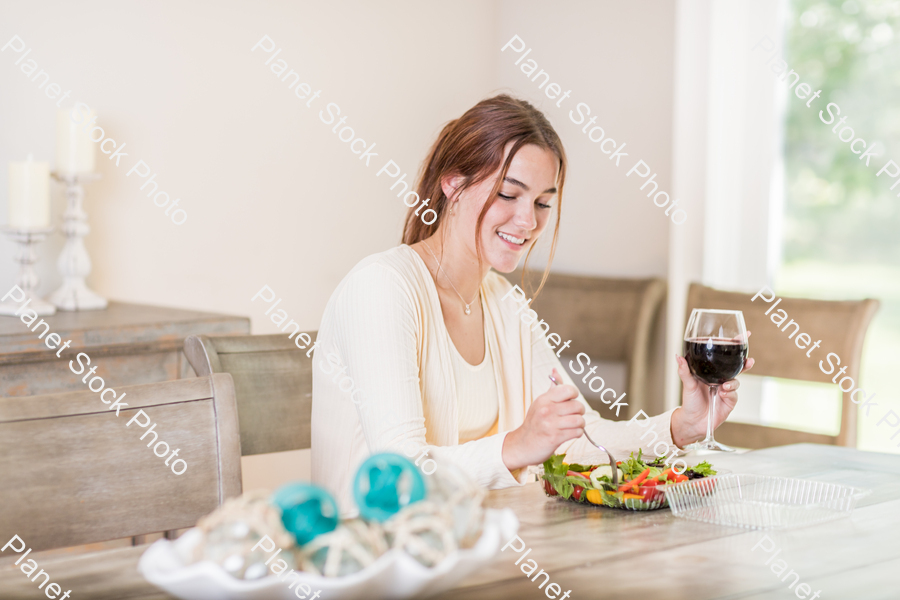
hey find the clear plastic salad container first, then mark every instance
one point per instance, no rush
(761, 501)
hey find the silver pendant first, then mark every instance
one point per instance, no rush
(468, 310)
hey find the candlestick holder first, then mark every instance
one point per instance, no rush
(74, 263)
(27, 238)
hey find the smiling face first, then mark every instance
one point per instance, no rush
(519, 215)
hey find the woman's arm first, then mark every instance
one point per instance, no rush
(377, 335)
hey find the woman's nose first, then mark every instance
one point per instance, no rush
(525, 216)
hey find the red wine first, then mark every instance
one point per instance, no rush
(715, 360)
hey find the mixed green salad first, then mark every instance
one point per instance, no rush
(639, 482)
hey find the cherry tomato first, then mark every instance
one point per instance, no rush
(549, 488)
(649, 493)
(577, 492)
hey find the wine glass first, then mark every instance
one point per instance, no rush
(715, 347)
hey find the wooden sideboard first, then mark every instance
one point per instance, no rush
(129, 343)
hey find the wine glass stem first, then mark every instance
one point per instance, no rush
(712, 411)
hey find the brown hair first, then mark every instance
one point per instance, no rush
(472, 147)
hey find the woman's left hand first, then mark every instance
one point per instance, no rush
(689, 421)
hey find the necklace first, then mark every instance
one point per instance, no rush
(468, 310)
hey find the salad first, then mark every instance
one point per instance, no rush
(640, 483)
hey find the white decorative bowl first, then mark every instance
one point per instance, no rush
(394, 575)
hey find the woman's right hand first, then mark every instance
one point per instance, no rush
(553, 418)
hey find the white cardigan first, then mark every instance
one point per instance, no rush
(383, 345)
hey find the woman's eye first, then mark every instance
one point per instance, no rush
(506, 197)
(543, 205)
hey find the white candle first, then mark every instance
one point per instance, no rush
(29, 194)
(74, 148)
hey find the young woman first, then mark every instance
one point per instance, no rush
(417, 349)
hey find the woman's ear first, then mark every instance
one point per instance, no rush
(450, 183)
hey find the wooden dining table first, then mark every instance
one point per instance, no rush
(598, 552)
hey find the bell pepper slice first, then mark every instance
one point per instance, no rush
(594, 497)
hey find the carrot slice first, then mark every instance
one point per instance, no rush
(634, 483)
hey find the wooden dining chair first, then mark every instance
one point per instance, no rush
(74, 473)
(841, 325)
(609, 319)
(273, 386)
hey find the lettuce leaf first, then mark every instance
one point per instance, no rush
(704, 469)
(632, 467)
(579, 468)
(563, 487)
(612, 500)
(555, 466)
(576, 480)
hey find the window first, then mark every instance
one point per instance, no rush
(841, 223)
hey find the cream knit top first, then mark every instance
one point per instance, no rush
(383, 379)
(476, 394)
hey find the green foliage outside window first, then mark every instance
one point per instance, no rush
(841, 236)
(836, 209)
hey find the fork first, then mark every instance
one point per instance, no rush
(614, 475)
